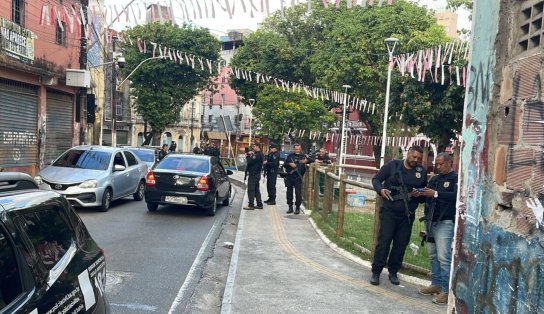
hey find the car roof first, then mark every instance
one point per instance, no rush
(98, 148)
(140, 148)
(198, 156)
(21, 199)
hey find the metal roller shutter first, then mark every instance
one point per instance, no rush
(18, 124)
(59, 125)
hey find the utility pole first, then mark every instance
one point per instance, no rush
(113, 95)
(192, 118)
(81, 101)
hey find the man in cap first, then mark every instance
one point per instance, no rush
(272, 164)
(254, 166)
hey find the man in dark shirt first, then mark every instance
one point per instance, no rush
(163, 152)
(254, 166)
(295, 167)
(272, 164)
(322, 157)
(396, 182)
(441, 195)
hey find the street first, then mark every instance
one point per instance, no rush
(155, 260)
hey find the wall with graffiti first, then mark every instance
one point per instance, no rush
(498, 262)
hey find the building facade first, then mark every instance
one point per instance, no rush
(39, 118)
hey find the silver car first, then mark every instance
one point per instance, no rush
(93, 176)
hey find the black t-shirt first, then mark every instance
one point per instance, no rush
(388, 177)
(272, 162)
(446, 186)
(295, 158)
(255, 163)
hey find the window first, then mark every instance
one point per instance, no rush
(130, 159)
(10, 280)
(530, 24)
(60, 34)
(18, 11)
(119, 112)
(84, 159)
(118, 160)
(210, 118)
(49, 232)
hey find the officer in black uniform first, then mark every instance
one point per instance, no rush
(272, 164)
(295, 167)
(396, 182)
(254, 166)
(163, 152)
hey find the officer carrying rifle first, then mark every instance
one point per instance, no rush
(295, 167)
(440, 195)
(396, 182)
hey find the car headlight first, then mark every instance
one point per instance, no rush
(89, 184)
(38, 180)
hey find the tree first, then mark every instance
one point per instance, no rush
(330, 47)
(162, 87)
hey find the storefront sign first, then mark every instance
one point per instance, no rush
(18, 42)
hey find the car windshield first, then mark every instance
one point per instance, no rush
(84, 159)
(144, 154)
(189, 164)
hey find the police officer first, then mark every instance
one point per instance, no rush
(396, 182)
(272, 164)
(441, 195)
(163, 152)
(254, 166)
(295, 167)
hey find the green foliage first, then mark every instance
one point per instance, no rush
(278, 111)
(162, 87)
(330, 47)
(456, 4)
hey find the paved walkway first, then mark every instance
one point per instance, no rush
(282, 264)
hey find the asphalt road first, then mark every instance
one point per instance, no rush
(156, 260)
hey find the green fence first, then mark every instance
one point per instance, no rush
(351, 209)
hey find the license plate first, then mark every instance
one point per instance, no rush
(176, 199)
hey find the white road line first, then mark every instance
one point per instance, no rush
(191, 273)
(229, 286)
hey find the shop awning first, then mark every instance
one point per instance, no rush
(212, 135)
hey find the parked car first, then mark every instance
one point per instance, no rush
(147, 155)
(190, 179)
(48, 261)
(93, 176)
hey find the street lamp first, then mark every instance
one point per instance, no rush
(340, 155)
(391, 44)
(251, 103)
(136, 68)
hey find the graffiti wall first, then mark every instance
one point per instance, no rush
(498, 262)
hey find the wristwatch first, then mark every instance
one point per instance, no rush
(435, 194)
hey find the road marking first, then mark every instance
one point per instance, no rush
(229, 286)
(191, 273)
(136, 306)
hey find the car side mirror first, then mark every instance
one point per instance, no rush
(119, 168)
(229, 172)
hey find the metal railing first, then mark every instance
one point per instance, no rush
(351, 208)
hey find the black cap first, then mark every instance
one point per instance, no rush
(274, 145)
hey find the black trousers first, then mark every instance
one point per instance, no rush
(253, 190)
(294, 181)
(395, 227)
(271, 178)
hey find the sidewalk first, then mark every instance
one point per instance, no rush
(281, 264)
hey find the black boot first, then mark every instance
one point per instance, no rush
(394, 279)
(375, 279)
(297, 210)
(290, 211)
(259, 206)
(271, 202)
(267, 200)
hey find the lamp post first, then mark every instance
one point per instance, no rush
(251, 103)
(391, 44)
(340, 155)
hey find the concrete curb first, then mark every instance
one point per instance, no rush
(354, 258)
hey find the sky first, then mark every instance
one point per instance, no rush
(222, 23)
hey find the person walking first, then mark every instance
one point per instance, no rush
(254, 166)
(163, 152)
(173, 147)
(295, 167)
(441, 195)
(272, 164)
(396, 182)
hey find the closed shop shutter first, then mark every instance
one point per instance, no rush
(122, 137)
(18, 124)
(59, 124)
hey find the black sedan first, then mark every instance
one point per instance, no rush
(187, 179)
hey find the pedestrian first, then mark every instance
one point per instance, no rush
(196, 150)
(396, 182)
(173, 147)
(441, 195)
(295, 167)
(322, 157)
(163, 152)
(272, 164)
(253, 168)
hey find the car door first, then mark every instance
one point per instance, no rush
(134, 169)
(121, 179)
(220, 177)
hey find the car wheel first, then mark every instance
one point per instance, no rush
(213, 209)
(106, 200)
(227, 200)
(152, 206)
(139, 195)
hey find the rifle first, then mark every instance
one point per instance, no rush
(405, 195)
(245, 176)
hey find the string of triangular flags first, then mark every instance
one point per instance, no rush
(216, 67)
(443, 62)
